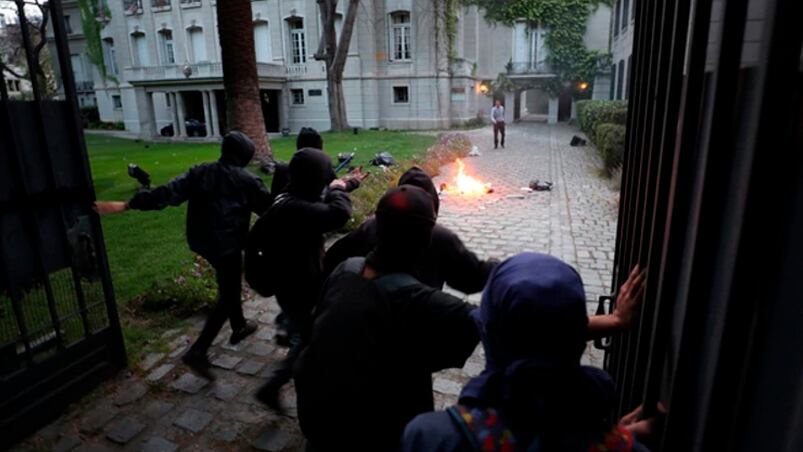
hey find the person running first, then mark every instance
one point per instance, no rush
(533, 393)
(313, 203)
(448, 261)
(221, 197)
(498, 121)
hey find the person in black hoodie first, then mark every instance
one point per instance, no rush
(378, 335)
(307, 138)
(298, 220)
(448, 260)
(221, 197)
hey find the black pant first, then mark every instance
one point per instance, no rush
(499, 126)
(228, 272)
(297, 305)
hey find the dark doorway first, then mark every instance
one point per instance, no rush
(194, 111)
(516, 106)
(270, 109)
(220, 99)
(565, 106)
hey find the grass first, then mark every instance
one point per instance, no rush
(147, 247)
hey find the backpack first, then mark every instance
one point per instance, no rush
(486, 432)
(260, 262)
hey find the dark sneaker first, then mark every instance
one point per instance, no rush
(268, 395)
(242, 333)
(282, 338)
(198, 364)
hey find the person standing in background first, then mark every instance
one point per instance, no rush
(498, 120)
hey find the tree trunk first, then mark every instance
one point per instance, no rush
(240, 80)
(334, 54)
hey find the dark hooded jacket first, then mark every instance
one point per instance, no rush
(448, 260)
(367, 368)
(221, 197)
(301, 218)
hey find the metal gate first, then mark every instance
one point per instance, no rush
(712, 203)
(59, 331)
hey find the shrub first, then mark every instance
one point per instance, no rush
(448, 148)
(590, 113)
(103, 125)
(91, 114)
(610, 141)
(193, 290)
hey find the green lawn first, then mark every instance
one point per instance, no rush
(145, 247)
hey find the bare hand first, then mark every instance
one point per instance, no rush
(359, 174)
(338, 183)
(629, 298)
(642, 428)
(110, 207)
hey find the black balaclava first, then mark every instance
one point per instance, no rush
(310, 172)
(405, 217)
(416, 177)
(309, 138)
(237, 149)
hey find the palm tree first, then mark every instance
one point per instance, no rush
(240, 81)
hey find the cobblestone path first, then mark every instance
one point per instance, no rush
(160, 406)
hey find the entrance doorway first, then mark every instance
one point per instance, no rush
(270, 109)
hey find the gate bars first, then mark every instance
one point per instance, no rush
(712, 204)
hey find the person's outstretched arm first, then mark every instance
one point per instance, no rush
(173, 193)
(628, 302)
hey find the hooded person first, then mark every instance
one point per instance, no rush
(307, 138)
(533, 393)
(314, 203)
(220, 196)
(448, 261)
(378, 335)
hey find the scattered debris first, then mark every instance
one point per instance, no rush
(475, 151)
(538, 185)
(383, 159)
(577, 141)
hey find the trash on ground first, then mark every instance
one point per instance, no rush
(538, 185)
(475, 151)
(383, 159)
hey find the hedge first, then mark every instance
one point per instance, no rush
(448, 148)
(590, 113)
(610, 141)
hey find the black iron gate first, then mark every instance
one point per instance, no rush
(59, 331)
(712, 203)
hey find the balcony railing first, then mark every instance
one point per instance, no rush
(84, 86)
(195, 71)
(528, 68)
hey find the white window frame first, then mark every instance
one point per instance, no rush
(293, 33)
(136, 55)
(268, 44)
(407, 39)
(167, 47)
(111, 56)
(191, 47)
(293, 98)
(393, 94)
(114, 104)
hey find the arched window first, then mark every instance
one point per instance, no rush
(166, 46)
(139, 49)
(298, 40)
(197, 44)
(401, 46)
(262, 41)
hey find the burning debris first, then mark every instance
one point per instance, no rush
(465, 185)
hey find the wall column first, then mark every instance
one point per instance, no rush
(173, 111)
(216, 132)
(182, 129)
(207, 113)
(552, 113)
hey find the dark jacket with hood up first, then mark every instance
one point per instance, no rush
(221, 197)
(448, 260)
(301, 218)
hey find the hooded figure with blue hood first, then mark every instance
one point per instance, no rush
(533, 394)
(220, 196)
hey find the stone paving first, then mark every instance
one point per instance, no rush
(160, 406)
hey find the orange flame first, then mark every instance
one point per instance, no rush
(466, 185)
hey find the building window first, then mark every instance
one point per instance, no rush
(167, 47)
(620, 76)
(262, 41)
(625, 14)
(68, 25)
(298, 44)
(13, 85)
(167, 100)
(617, 12)
(629, 73)
(190, 2)
(77, 68)
(400, 36)
(161, 5)
(139, 47)
(132, 6)
(117, 102)
(110, 55)
(612, 95)
(401, 95)
(197, 45)
(297, 95)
